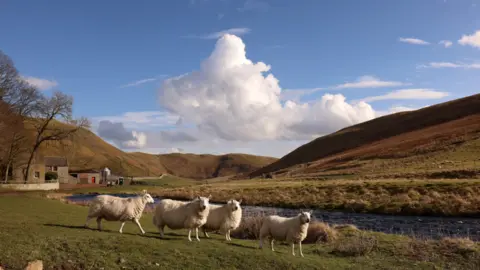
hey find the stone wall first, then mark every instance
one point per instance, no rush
(35, 186)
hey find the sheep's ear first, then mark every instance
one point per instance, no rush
(209, 196)
(240, 201)
(144, 191)
(197, 197)
(311, 212)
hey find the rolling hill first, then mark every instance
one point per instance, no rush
(434, 140)
(88, 151)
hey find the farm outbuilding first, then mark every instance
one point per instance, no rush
(88, 176)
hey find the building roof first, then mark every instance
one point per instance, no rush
(56, 161)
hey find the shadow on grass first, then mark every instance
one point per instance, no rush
(82, 227)
(241, 246)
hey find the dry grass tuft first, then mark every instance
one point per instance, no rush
(346, 227)
(458, 245)
(249, 228)
(359, 245)
(320, 232)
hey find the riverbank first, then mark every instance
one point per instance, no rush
(452, 198)
(52, 231)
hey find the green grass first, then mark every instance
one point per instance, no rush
(396, 196)
(49, 230)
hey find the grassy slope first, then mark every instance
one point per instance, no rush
(440, 137)
(38, 228)
(87, 150)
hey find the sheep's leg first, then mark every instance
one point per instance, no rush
(293, 249)
(271, 244)
(99, 223)
(261, 242)
(189, 235)
(121, 227)
(227, 235)
(196, 234)
(300, 248)
(161, 228)
(205, 232)
(86, 222)
(139, 226)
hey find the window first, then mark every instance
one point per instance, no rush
(55, 168)
(37, 174)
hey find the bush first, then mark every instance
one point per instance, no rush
(51, 176)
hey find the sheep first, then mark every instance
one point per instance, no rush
(182, 215)
(292, 230)
(225, 218)
(112, 208)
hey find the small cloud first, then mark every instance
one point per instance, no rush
(254, 5)
(39, 83)
(471, 40)
(450, 65)
(446, 43)
(414, 93)
(368, 82)
(142, 81)
(220, 16)
(142, 119)
(216, 35)
(414, 41)
(118, 134)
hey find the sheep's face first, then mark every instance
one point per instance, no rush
(234, 205)
(305, 217)
(148, 198)
(203, 202)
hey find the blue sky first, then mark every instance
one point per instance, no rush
(114, 58)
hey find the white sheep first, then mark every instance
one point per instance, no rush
(292, 230)
(224, 218)
(182, 215)
(112, 208)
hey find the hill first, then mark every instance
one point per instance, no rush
(88, 151)
(427, 142)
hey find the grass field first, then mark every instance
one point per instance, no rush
(396, 196)
(49, 230)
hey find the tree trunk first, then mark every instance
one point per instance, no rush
(6, 171)
(25, 176)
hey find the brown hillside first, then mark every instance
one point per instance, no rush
(88, 151)
(422, 139)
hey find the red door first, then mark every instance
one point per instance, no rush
(93, 179)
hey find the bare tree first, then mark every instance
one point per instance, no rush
(49, 111)
(20, 103)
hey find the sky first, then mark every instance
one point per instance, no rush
(242, 76)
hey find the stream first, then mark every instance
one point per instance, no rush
(419, 226)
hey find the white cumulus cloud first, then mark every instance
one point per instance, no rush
(471, 40)
(41, 84)
(234, 98)
(414, 41)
